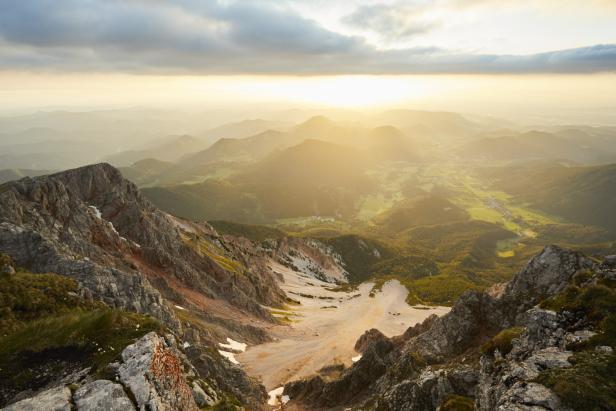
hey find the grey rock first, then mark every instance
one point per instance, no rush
(202, 398)
(579, 336)
(524, 396)
(55, 399)
(154, 374)
(102, 395)
(604, 349)
(547, 273)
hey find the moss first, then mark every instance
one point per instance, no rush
(457, 403)
(590, 384)
(502, 341)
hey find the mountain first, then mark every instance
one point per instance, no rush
(242, 129)
(540, 341)
(390, 143)
(311, 178)
(260, 145)
(420, 211)
(537, 145)
(30, 135)
(231, 149)
(316, 177)
(172, 149)
(93, 228)
(440, 125)
(584, 195)
(54, 154)
(17, 173)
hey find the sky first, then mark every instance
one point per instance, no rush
(362, 52)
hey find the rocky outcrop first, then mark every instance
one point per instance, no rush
(151, 369)
(441, 357)
(369, 337)
(476, 314)
(152, 375)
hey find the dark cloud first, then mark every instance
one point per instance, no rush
(190, 36)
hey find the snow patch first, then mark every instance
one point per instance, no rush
(276, 397)
(356, 358)
(234, 345)
(229, 356)
(186, 344)
(97, 212)
(179, 307)
(113, 228)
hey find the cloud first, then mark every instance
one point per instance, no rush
(202, 37)
(391, 21)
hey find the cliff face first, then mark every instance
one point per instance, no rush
(93, 224)
(492, 351)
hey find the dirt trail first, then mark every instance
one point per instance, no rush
(319, 336)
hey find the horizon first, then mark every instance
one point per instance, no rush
(513, 60)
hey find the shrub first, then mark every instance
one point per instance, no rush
(502, 341)
(457, 403)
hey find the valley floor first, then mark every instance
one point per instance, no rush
(324, 328)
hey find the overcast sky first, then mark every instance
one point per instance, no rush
(308, 36)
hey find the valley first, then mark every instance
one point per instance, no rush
(323, 328)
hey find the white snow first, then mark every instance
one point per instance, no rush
(356, 358)
(113, 228)
(186, 344)
(234, 345)
(229, 356)
(276, 397)
(179, 307)
(97, 212)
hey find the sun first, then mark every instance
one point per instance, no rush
(340, 91)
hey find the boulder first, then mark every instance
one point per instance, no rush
(368, 338)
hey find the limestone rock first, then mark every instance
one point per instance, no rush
(102, 395)
(154, 374)
(55, 399)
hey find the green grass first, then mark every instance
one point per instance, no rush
(25, 296)
(46, 330)
(205, 248)
(102, 334)
(250, 231)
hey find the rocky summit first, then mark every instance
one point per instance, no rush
(93, 227)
